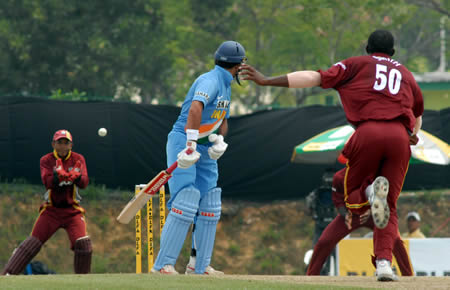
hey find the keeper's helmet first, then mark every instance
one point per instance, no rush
(231, 52)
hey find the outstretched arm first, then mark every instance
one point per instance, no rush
(413, 139)
(418, 125)
(298, 79)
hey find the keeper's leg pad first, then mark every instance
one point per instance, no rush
(22, 255)
(82, 255)
(205, 228)
(179, 219)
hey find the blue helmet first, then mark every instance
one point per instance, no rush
(230, 52)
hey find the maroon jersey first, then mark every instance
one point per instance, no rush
(375, 87)
(66, 195)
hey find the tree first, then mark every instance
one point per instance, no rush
(84, 45)
(157, 48)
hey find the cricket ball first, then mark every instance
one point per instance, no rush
(102, 132)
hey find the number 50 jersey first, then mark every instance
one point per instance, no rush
(375, 87)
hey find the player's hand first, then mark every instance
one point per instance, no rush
(188, 156)
(413, 140)
(348, 220)
(218, 147)
(75, 173)
(364, 217)
(61, 176)
(247, 72)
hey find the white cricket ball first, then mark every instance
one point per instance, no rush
(102, 132)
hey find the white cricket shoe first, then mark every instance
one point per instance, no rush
(190, 270)
(377, 193)
(166, 270)
(384, 271)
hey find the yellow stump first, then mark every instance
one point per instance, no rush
(137, 189)
(162, 208)
(138, 224)
(150, 234)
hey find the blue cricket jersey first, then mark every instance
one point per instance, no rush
(213, 89)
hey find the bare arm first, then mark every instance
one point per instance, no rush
(250, 73)
(188, 156)
(418, 125)
(195, 115)
(413, 139)
(223, 129)
(298, 79)
(304, 79)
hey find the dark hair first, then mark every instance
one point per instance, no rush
(225, 65)
(381, 41)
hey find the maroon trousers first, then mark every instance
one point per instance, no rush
(337, 230)
(377, 148)
(51, 219)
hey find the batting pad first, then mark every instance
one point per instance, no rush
(205, 228)
(180, 218)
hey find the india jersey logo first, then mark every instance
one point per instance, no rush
(223, 105)
(203, 94)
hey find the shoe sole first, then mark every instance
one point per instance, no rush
(387, 278)
(380, 207)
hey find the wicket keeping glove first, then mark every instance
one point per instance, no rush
(186, 159)
(75, 173)
(61, 176)
(218, 147)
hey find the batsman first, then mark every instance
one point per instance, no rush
(194, 195)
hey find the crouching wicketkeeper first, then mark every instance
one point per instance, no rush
(62, 172)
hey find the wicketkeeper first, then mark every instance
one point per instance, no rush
(63, 172)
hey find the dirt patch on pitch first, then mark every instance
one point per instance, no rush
(364, 282)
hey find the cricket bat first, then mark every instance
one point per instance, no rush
(140, 200)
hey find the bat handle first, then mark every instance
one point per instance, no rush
(175, 164)
(172, 167)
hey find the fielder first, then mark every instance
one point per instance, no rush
(63, 172)
(194, 195)
(382, 100)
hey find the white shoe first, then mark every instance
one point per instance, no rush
(384, 271)
(377, 193)
(166, 270)
(190, 270)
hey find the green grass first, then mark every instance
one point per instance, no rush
(144, 281)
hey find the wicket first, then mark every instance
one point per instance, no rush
(138, 225)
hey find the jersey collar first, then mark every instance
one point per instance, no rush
(57, 156)
(227, 77)
(381, 54)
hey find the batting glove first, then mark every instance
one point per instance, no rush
(218, 147)
(188, 156)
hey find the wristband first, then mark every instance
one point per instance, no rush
(192, 134)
